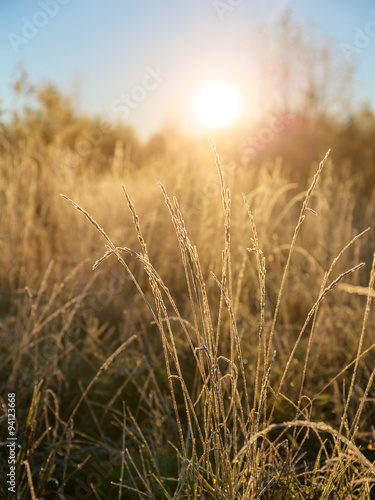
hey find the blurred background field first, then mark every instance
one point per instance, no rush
(60, 321)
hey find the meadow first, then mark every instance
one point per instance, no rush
(187, 323)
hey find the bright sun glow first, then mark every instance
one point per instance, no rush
(218, 105)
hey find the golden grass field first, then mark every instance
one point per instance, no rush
(223, 346)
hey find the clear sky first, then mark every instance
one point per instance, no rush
(167, 49)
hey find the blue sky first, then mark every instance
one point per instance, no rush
(100, 51)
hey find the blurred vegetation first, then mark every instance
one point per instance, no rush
(59, 322)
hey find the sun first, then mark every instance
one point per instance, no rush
(218, 105)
